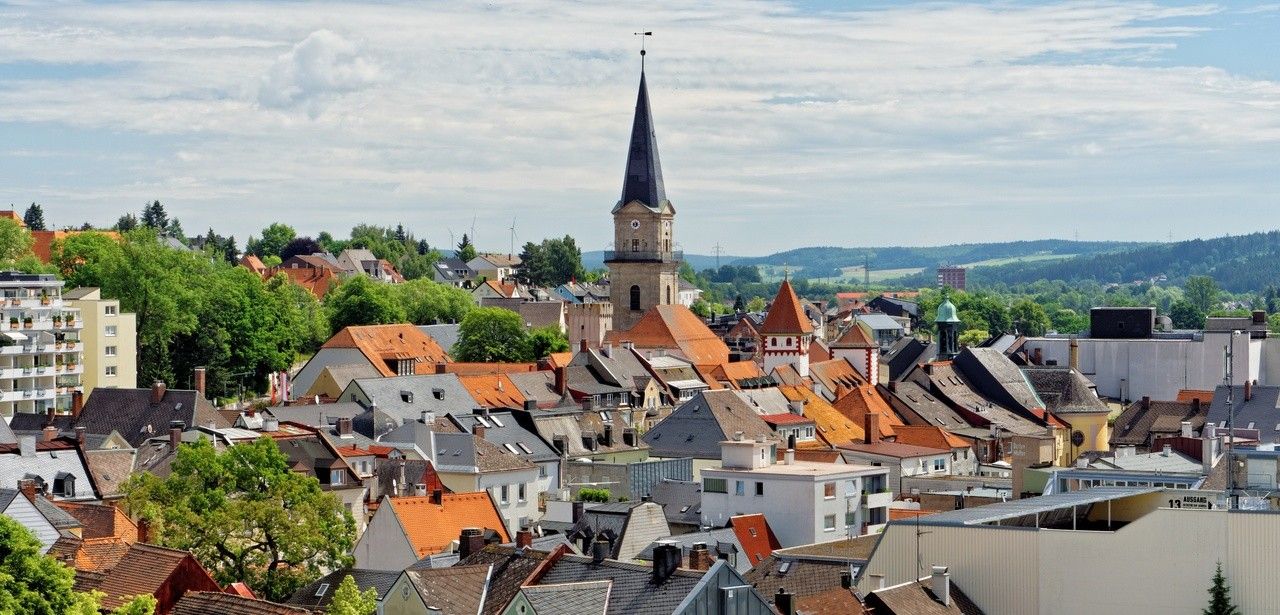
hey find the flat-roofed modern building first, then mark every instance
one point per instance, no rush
(110, 339)
(40, 349)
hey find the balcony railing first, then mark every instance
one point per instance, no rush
(618, 256)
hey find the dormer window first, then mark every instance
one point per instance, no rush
(64, 485)
(406, 397)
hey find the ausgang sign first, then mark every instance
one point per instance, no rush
(1193, 500)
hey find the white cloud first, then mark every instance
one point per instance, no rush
(428, 114)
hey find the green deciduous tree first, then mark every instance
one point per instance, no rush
(1186, 315)
(1029, 318)
(551, 263)
(144, 604)
(126, 223)
(15, 242)
(426, 302)
(274, 238)
(1202, 292)
(246, 516)
(546, 340)
(34, 218)
(1220, 596)
(492, 335)
(34, 583)
(756, 304)
(973, 337)
(361, 301)
(348, 600)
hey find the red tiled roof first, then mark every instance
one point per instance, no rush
(755, 535)
(855, 337)
(784, 418)
(253, 263)
(488, 369)
(856, 403)
(380, 343)
(146, 569)
(1188, 395)
(929, 436)
(785, 315)
(493, 391)
(432, 527)
(893, 449)
(818, 351)
(832, 427)
(316, 280)
(675, 328)
(101, 520)
(836, 375)
(239, 589)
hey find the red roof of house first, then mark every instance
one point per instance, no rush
(239, 589)
(856, 403)
(675, 328)
(432, 527)
(382, 343)
(755, 535)
(930, 436)
(316, 280)
(855, 337)
(784, 418)
(785, 315)
(493, 391)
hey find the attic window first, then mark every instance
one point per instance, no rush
(496, 421)
(752, 531)
(437, 393)
(406, 397)
(483, 421)
(510, 448)
(529, 452)
(604, 415)
(1251, 424)
(177, 407)
(322, 590)
(684, 509)
(784, 567)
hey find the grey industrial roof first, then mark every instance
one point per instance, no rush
(634, 591)
(719, 541)
(1013, 509)
(879, 322)
(445, 335)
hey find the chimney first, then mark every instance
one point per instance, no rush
(1186, 429)
(1259, 317)
(77, 404)
(427, 417)
(344, 428)
(49, 415)
(530, 405)
(784, 602)
(27, 446)
(478, 430)
(561, 383)
(941, 585)
(699, 557)
(1195, 405)
(403, 484)
(175, 434)
(144, 530)
(607, 350)
(80, 432)
(1146, 402)
(582, 346)
(588, 404)
(270, 424)
(49, 433)
(157, 392)
(846, 579)
(629, 436)
(420, 490)
(666, 558)
(578, 508)
(437, 496)
(789, 457)
(198, 381)
(797, 407)
(608, 435)
(470, 541)
(1248, 390)
(871, 424)
(600, 549)
(1168, 448)
(28, 488)
(441, 367)
(1073, 356)
(524, 539)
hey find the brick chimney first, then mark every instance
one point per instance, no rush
(144, 530)
(700, 557)
(157, 392)
(470, 541)
(80, 433)
(344, 428)
(1146, 402)
(28, 488)
(478, 430)
(871, 424)
(198, 378)
(524, 539)
(784, 602)
(77, 403)
(1248, 390)
(437, 497)
(582, 346)
(561, 381)
(49, 433)
(1073, 355)
(175, 434)
(1195, 405)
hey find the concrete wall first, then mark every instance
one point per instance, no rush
(323, 358)
(384, 546)
(795, 506)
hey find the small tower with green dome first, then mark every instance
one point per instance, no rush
(948, 330)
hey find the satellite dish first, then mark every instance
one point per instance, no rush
(1077, 438)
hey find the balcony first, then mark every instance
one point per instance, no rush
(877, 500)
(620, 256)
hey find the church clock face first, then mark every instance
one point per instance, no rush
(635, 225)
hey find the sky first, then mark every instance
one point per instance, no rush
(780, 124)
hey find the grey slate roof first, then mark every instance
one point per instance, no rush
(574, 425)
(506, 433)
(379, 580)
(697, 427)
(445, 335)
(537, 386)
(720, 541)
(585, 598)
(997, 378)
(407, 397)
(1139, 424)
(643, 179)
(919, 407)
(633, 591)
(681, 501)
(510, 568)
(457, 589)
(317, 415)
(905, 354)
(131, 413)
(61, 519)
(48, 464)
(1064, 390)
(1262, 409)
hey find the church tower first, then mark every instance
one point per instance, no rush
(643, 265)
(786, 333)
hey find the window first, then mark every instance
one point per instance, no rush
(324, 588)
(110, 370)
(335, 477)
(668, 295)
(851, 518)
(635, 245)
(110, 310)
(739, 488)
(715, 485)
(520, 493)
(109, 351)
(759, 488)
(542, 471)
(505, 494)
(635, 297)
(939, 464)
(829, 523)
(109, 331)
(829, 491)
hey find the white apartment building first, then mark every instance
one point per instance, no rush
(804, 502)
(41, 356)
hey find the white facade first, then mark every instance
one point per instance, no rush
(804, 502)
(865, 360)
(1158, 368)
(790, 349)
(926, 465)
(41, 355)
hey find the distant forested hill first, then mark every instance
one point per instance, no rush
(821, 262)
(1244, 263)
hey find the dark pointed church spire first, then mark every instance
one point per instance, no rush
(643, 181)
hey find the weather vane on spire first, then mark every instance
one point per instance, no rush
(642, 52)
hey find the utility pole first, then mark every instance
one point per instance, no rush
(717, 250)
(1232, 502)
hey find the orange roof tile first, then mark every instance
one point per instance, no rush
(239, 589)
(13, 215)
(818, 351)
(785, 315)
(483, 369)
(787, 374)
(896, 514)
(253, 263)
(833, 427)
(493, 391)
(559, 359)
(432, 527)
(755, 536)
(101, 520)
(855, 337)
(382, 343)
(675, 328)
(836, 375)
(1188, 395)
(318, 281)
(100, 554)
(930, 436)
(855, 404)
(42, 241)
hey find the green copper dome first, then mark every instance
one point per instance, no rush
(947, 312)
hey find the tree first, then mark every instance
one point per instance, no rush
(756, 304)
(300, 246)
(15, 242)
(154, 216)
(361, 301)
(551, 263)
(1220, 596)
(428, 303)
(973, 337)
(348, 600)
(546, 340)
(174, 229)
(492, 335)
(1186, 315)
(466, 251)
(739, 305)
(34, 218)
(274, 238)
(144, 604)
(245, 515)
(34, 583)
(1202, 292)
(126, 223)
(1029, 318)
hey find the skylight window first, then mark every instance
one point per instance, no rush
(510, 448)
(529, 452)
(496, 421)
(322, 590)
(483, 421)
